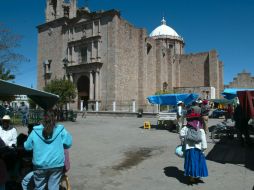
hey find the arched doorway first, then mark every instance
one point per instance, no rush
(83, 91)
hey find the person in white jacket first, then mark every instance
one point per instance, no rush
(8, 138)
(180, 115)
(8, 133)
(194, 159)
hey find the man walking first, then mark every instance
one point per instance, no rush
(24, 110)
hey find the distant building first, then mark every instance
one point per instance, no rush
(109, 60)
(242, 80)
(17, 102)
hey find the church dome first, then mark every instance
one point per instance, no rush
(163, 31)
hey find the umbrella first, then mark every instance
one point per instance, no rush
(172, 99)
(231, 93)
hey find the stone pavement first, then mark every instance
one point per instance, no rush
(116, 153)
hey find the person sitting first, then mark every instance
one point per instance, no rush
(47, 142)
(7, 132)
(8, 136)
(28, 181)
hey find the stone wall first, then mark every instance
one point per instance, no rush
(108, 59)
(127, 59)
(50, 47)
(151, 64)
(191, 70)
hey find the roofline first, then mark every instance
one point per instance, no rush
(167, 37)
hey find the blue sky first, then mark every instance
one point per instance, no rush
(224, 25)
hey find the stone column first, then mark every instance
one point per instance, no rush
(91, 90)
(133, 106)
(92, 28)
(92, 53)
(98, 51)
(96, 85)
(97, 106)
(99, 28)
(67, 52)
(72, 52)
(81, 105)
(69, 34)
(114, 106)
(70, 77)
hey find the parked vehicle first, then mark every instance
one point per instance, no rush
(217, 113)
(169, 119)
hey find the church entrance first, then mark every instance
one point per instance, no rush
(83, 91)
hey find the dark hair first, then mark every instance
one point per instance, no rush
(49, 124)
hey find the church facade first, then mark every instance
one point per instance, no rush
(109, 60)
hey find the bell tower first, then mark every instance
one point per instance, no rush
(73, 9)
(54, 10)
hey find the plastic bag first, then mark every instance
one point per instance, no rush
(179, 151)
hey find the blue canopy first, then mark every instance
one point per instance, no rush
(231, 93)
(172, 99)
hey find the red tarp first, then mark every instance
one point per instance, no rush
(246, 99)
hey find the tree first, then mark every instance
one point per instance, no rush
(5, 74)
(64, 88)
(8, 57)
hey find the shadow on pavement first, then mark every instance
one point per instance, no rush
(232, 152)
(172, 171)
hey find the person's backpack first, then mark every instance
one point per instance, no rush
(193, 135)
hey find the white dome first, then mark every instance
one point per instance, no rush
(164, 31)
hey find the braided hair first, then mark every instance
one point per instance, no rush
(49, 124)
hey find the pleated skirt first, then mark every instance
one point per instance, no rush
(195, 163)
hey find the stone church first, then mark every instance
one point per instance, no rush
(113, 62)
(242, 80)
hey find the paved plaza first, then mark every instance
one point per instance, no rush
(116, 153)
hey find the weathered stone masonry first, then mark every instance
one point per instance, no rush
(109, 59)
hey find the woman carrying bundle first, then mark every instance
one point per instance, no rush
(194, 138)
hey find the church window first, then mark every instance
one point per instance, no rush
(54, 4)
(170, 46)
(47, 65)
(83, 53)
(84, 31)
(148, 48)
(66, 11)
